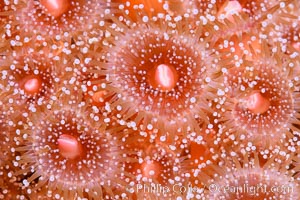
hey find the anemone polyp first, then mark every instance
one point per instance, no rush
(68, 154)
(59, 17)
(34, 76)
(200, 155)
(56, 7)
(246, 179)
(242, 17)
(262, 99)
(158, 76)
(157, 166)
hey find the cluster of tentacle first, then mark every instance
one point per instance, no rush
(141, 99)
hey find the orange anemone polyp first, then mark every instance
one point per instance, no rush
(56, 7)
(257, 103)
(152, 169)
(163, 77)
(198, 151)
(68, 146)
(31, 84)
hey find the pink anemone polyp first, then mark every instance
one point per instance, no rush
(158, 78)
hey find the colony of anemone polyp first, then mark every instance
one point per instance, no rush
(141, 99)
